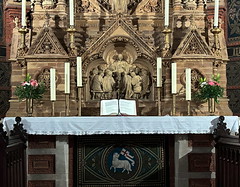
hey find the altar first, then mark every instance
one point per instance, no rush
(122, 125)
(121, 150)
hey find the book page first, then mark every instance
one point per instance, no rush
(109, 107)
(128, 107)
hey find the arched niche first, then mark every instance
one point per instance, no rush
(119, 70)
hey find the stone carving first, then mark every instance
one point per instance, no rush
(119, 6)
(195, 77)
(120, 79)
(46, 43)
(16, 22)
(85, 6)
(44, 77)
(193, 43)
(152, 6)
(193, 47)
(48, 4)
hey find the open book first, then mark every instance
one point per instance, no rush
(118, 107)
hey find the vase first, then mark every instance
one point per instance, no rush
(29, 107)
(211, 105)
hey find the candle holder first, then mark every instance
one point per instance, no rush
(174, 104)
(188, 107)
(72, 48)
(79, 100)
(23, 48)
(159, 101)
(166, 49)
(67, 104)
(216, 45)
(53, 108)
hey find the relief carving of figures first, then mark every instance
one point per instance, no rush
(120, 79)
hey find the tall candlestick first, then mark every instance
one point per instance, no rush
(52, 85)
(79, 71)
(24, 13)
(188, 84)
(159, 72)
(67, 78)
(166, 14)
(174, 78)
(71, 12)
(216, 13)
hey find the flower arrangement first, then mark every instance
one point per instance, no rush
(210, 89)
(30, 89)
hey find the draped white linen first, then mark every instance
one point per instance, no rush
(121, 125)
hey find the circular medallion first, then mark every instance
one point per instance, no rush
(121, 163)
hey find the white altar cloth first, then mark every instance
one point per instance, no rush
(121, 125)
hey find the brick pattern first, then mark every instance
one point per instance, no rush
(41, 142)
(41, 164)
(41, 183)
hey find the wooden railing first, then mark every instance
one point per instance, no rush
(13, 156)
(227, 156)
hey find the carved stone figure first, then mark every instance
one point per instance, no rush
(145, 84)
(97, 85)
(137, 85)
(120, 65)
(108, 83)
(126, 90)
(119, 6)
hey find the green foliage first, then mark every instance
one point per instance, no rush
(210, 89)
(30, 89)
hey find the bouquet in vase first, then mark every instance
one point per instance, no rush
(210, 89)
(30, 89)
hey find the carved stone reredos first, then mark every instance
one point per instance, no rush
(118, 38)
(46, 43)
(193, 45)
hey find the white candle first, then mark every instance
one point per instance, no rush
(159, 72)
(174, 78)
(71, 12)
(216, 13)
(52, 84)
(24, 13)
(166, 14)
(79, 71)
(188, 84)
(67, 78)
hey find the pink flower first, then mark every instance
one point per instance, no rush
(25, 83)
(211, 83)
(33, 83)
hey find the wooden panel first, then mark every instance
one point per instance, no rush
(41, 164)
(201, 162)
(200, 140)
(41, 183)
(201, 182)
(41, 142)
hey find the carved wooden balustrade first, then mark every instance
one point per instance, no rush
(13, 156)
(227, 156)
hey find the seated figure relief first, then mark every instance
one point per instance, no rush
(120, 79)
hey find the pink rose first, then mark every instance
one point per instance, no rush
(33, 83)
(211, 83)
